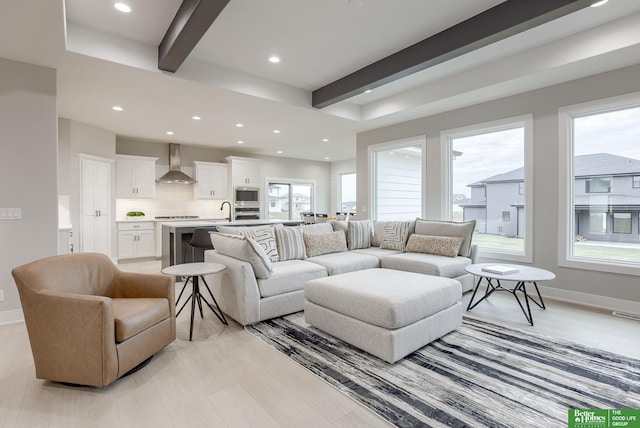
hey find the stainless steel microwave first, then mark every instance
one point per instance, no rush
(246, 196)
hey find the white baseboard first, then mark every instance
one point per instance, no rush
(592, 300)
(11, 317)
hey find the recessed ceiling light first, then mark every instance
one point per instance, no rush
(279, 152)
(240, 142)
(599, 3)
(276, 131)
(325, 140)
(196, 117)
(117, 108)
(239, 125)
(368, 91)
(274, 59)
(169, 132)
(326, 158)
(122, 7)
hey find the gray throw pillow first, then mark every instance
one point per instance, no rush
(290, 243)
(395, 235)
(359, 234)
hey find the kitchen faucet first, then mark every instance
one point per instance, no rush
(222, 208)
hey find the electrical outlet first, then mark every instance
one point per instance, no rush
(1, 295)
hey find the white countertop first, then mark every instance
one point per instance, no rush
(197, 223)
(172, 220)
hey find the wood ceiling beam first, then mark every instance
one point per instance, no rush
(193, 19)
(498, 23)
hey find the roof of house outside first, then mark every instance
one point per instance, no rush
(584, 166)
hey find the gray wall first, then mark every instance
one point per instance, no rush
(544, 104)
(28, 120)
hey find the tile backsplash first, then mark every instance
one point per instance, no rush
(171, 200)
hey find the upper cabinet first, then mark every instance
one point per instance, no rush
(244, 171)
(135, 177)
(212, 180)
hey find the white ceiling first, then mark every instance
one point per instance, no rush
(105, 58)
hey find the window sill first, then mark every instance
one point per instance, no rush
(602, 266)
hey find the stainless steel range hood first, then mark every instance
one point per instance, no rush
(175, 176)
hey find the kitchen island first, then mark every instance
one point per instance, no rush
(175, 235)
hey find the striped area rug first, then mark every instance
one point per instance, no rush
(480, 375)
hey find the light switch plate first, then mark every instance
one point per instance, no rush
(1, 295)
(10, 213)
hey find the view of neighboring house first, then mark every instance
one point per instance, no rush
(606, 200)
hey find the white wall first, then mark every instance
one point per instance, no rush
(615, 290)
(28, 177)
(271, 166)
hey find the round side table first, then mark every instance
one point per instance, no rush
(193, 272)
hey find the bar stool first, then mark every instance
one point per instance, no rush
(200, 239)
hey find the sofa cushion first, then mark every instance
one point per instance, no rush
(377, 252)
(264, 236)
(429, 264)
(317, 228)
(289, 276)
(395, 235)
(378, 227)
(359, 234)
(386, 298)
(324, 243)
(448, 246)
(290, 243)
(245, 249)
(338, 263)
(341, 225)
(135, 315)
(449, 228)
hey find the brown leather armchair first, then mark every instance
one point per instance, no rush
(90, 323)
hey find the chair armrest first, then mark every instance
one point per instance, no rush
(72, 337)
(140, 285)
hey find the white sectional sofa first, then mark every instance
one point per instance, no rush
(268, 266)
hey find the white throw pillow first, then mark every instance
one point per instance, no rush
(245, 249)
(359, 234)
(265, 237)
(290, 243)
(395, 234)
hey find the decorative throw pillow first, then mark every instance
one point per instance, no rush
(394, 235)
(265, 237)
(245, 249)
(359, 234)
(290, 243)
(341, 225)
(449, 228)
(317, 228)
(440, 245)
(317, 244)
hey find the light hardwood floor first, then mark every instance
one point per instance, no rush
(226, 377)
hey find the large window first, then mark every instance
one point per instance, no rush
(601, 200)
(397, 171)
(287, 199)
(489, 183)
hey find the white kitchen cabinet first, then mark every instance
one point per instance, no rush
(212, 180)
(135, 177)
(95, 203)
(244, 171)
(136, 240)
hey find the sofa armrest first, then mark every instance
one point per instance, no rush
(473, 254)
(235, 288)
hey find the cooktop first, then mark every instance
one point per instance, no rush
(169, 217)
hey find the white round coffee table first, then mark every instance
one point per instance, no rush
(520, 276)
(194, 271)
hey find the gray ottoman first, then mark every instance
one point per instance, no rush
(387, 313)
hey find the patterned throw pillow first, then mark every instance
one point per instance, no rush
(290, 243)
(359, 234)
(449, 228)
(245, 249)
(265, 237)
(394, 235)
(440, 245)
(317, 244)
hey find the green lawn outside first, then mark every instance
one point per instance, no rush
(581, 249)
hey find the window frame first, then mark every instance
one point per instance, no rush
(587, 184)
(446, 137)
(339, 191)
(566, 208)
(372, 149)
(613, 222)
(635, 181)
(291, 182)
